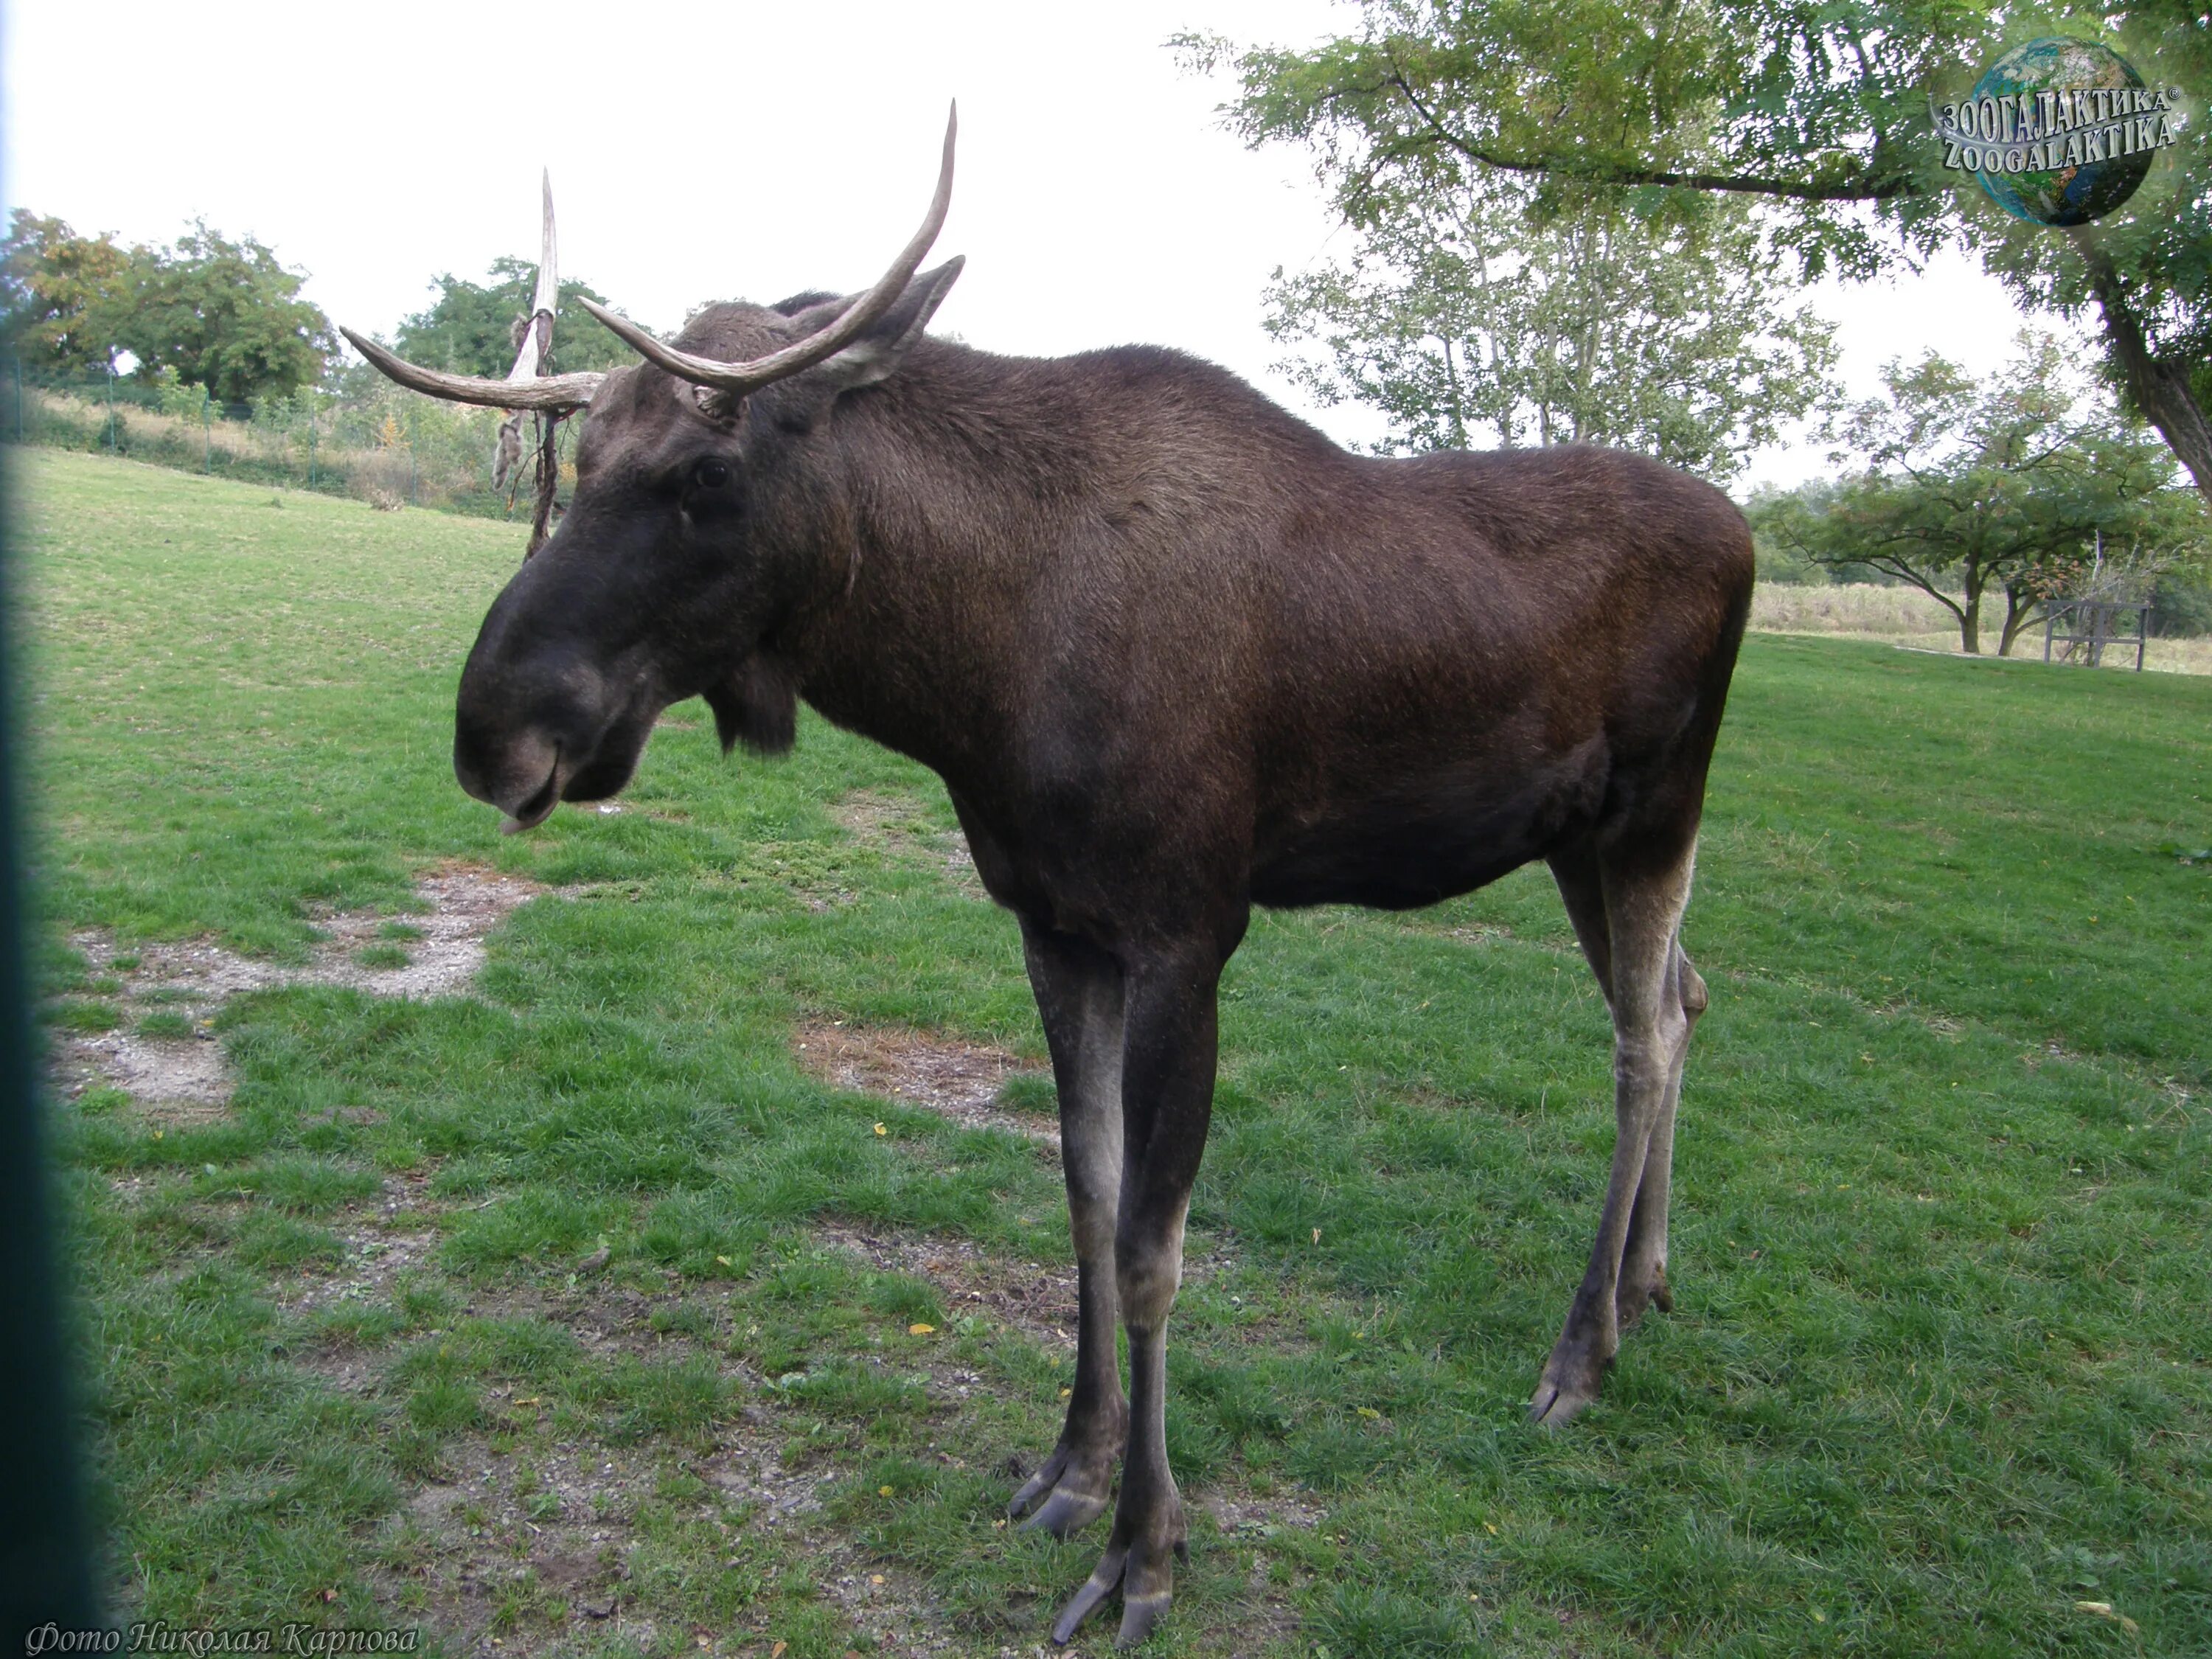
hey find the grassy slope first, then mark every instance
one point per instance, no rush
(1938, 1368)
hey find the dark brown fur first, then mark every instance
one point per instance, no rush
(1173, 653)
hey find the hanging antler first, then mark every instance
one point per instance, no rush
(525, 387)
(563, 393)
(731, 381)
(721, 384)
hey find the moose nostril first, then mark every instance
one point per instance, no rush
(546, 798)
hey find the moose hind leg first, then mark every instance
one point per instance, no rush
(1643, 1259)
(1643, 904)
(1078, 995)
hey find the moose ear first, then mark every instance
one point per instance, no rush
(877, 353)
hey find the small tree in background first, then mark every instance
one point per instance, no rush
(1963, 490)
(1478, 313)
(470, 330)
(226, 315)
(63, 298)
(213, 312)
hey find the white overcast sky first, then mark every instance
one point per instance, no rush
(705, 151)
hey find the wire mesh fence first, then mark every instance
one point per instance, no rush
(365, 440)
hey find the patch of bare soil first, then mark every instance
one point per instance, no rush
(896, 825)
(1037, 1301)
(955, 1079)
(535, 1543)
(183, 1080)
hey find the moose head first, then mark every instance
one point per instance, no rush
(689, 536)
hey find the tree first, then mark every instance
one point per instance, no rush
(1594, 325)
(218, 312)
(226, 315)
(2032, 486)
(1816, 109)
(64, 297)
(470, 330)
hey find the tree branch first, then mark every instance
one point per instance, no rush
(1865, 188)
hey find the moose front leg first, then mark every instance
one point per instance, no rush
(1167, 1092)
(1078, 995)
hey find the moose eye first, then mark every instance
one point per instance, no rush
(712, 474)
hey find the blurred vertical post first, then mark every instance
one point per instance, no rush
(207, 431)
(46, 1563)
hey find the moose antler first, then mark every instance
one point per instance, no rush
(550, 392)
(731, 381)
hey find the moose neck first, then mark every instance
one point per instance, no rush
(944, 487)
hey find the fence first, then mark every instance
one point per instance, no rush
(369, 440)
(2083, 628)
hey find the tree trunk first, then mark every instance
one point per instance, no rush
(1970, 620)
(2160, 389)
(2019, 614)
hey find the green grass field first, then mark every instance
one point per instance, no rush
(1939, 1378)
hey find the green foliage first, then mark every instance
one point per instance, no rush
(470, 328)
(1962, 489)
(63, 298)
(224, 315)
(1818, 112)
(2181, 604)
(1471, 309)
(211, 312)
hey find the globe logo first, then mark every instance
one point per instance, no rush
(2057, 131)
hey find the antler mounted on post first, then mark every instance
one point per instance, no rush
(718, 387)
(527, 388)
(535, 349)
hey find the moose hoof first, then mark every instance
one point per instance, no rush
(1147, 1587)
(1064, 1497)
(1570, 1382)
(1552, 1407)
(1148, 1539)
(1634, 1299)
(1095, 1589)
(1063, 1513)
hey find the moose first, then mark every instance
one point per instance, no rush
(1175, 655)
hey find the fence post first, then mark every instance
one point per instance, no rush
(311, 439)
(111, 406)
(207, 431)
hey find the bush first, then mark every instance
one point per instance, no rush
(385, 478)
(2181, 607)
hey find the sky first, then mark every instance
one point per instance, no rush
(734, 150)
